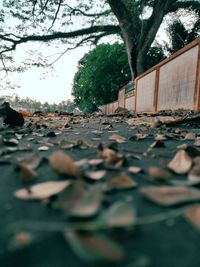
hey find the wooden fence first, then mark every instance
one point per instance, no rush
(172, 84)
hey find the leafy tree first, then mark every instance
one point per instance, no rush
(135, 22)
(101, 73)
(180, 36)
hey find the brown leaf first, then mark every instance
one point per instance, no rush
(157, 143)
(194, 174)
(170, 195)
(79, 201)
(31, 161)
(22, 239)
(160, 137)
(118, 138)
(42, 190)
(181, 163)
(27, 174)
(134, 169)
(93, 248)
(139, 136)
(43, 148)
(192, 214)
(96, 175)
(121, 181)
(121, 214)
(158, 173)
(95, 162)
(63, 164)
(190, 136)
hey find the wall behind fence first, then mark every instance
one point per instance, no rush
(177, 81)
(172, 84)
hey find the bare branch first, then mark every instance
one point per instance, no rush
(108, 29)
(56, 14)
(74, 10)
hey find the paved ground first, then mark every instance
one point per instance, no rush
(161, 236)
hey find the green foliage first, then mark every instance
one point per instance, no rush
(180, 36)
(101, 73)
(154, 56)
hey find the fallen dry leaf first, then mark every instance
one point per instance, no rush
(43, 148)
(170, 195)
(42, 190)
(157, 143)
(121, 181)
(31, 161)
(63, 164)
(139, 136)
(192, 214)
(118, 138)
(22, 239)
(194, 174)
(190, 136)
(158, 173)
(134, 169)
(95, 162)
(121, 214)
(160, 137)
(91, 247)
(27, 174)
(95, 175)
(181, 163)
(79, 201)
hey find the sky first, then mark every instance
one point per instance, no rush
(40, 85)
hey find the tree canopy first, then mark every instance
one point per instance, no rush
(101, 73)
(135, 22)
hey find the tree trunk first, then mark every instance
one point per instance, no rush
(139, 40)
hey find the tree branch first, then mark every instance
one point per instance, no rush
(108, 29)
(194, 5)
(74, 10)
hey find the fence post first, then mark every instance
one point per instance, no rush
(156, 88)
(197, 83)
(136, 88)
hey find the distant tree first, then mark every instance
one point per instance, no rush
(179, 35)
(101, 73)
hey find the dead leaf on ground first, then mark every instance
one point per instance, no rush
(158, 173)
(160, 137)
(134, 169)
(121, 181)
(63, 164)
(78, 200)
(42, 190)
(192, 215)
(121, 214)
(197, 142)
(157, 143)
(11, 142)
(190, 136)
(91, 247)
(95, 162)
(194, 174)
(31, 161)
(95, 175)
(181, 163)
(112, 157)
(22, 239)
(118, 138)
(170, 195)
(138, 137)
(43, 148)
(27, 174)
